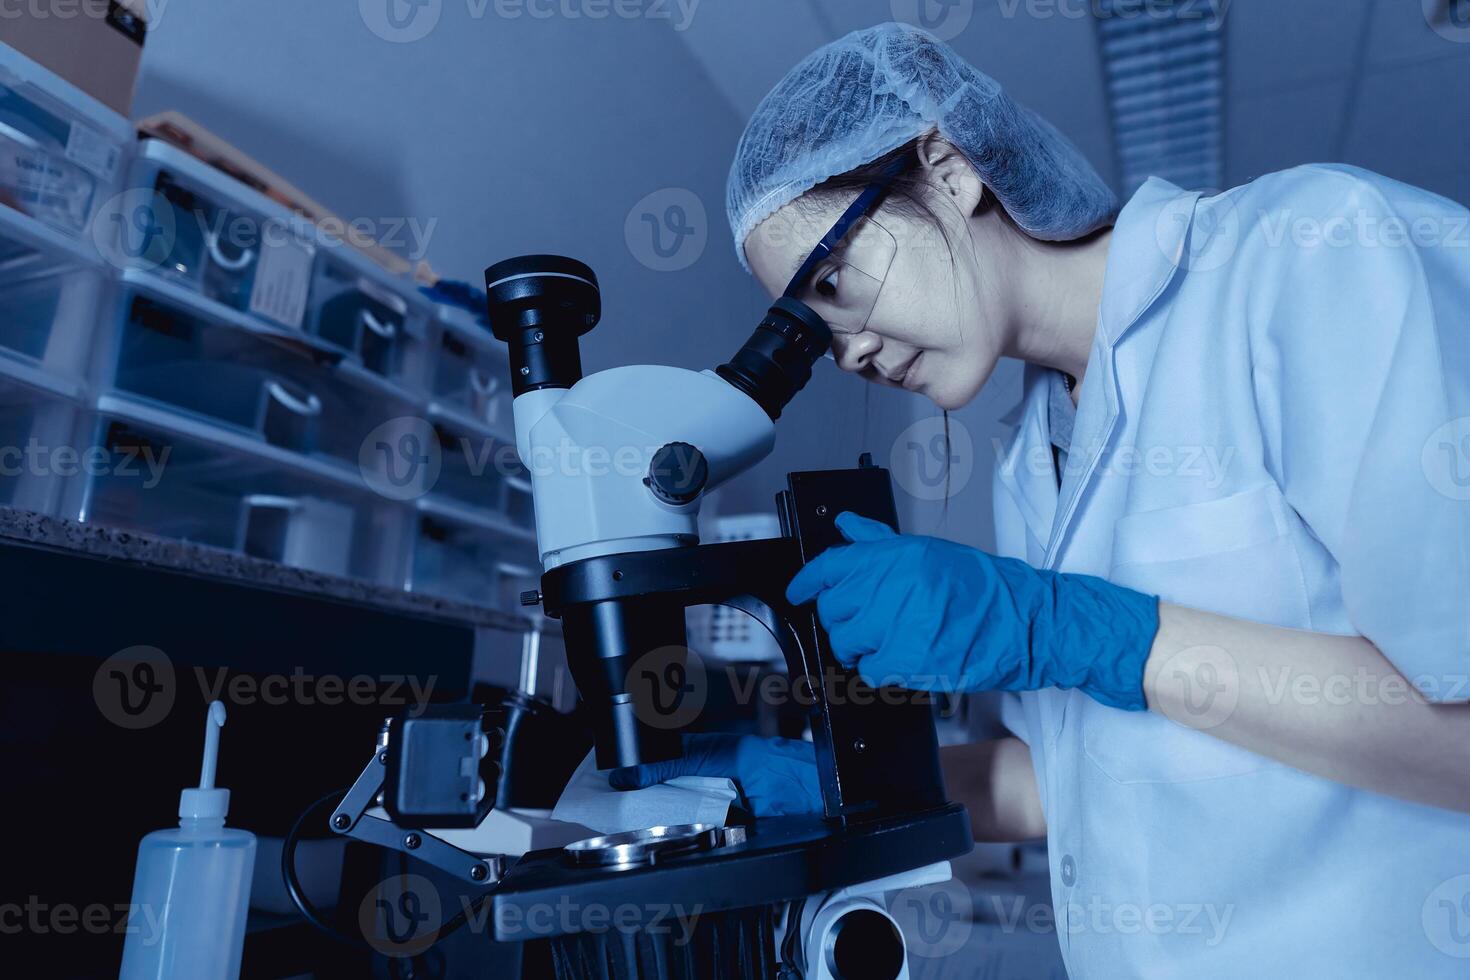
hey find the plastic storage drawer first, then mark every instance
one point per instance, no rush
(209, 492)
(60, 150)
(46, 446)
(220, 238)
(474, 465)
(459, 557)
(51, 291)
(518, 505)
(364, 311)
(274, 389)
(472, 372)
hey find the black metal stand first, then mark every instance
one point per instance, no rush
(876, 749)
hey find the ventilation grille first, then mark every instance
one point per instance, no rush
(1164, 66)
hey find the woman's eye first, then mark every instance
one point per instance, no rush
(826, 286)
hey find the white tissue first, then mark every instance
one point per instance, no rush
(589, 800)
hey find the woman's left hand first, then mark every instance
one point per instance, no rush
(929, 614)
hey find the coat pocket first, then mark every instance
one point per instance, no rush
(1201, 529)
(1232, 555)
(1144, 747)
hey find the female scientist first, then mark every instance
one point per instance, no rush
(1234, 602)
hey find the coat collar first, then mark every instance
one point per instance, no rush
(1024, 465)
(1149, 246)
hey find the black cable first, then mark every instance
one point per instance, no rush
(314, 915)
(790, 941)
(293, 885)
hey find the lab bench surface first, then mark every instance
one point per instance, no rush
(22, 527)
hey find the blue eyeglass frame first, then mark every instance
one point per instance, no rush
(866, 203)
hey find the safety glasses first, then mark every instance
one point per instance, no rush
(842, 277)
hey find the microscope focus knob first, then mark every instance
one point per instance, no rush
(677, 474)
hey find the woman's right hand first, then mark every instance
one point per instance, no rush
(777, 776)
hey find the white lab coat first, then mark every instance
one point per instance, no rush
(1274, 425)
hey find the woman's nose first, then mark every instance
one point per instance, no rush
(855, 352)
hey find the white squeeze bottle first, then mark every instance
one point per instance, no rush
(192, 887)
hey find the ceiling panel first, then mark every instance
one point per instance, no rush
(1412, 123)
(1164, 76)
(1265, 133)
(1274, 46)
(1453, 184)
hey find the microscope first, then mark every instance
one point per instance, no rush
(620, 461)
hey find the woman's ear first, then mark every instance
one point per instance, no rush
(950, 173)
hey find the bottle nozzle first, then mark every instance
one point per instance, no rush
(206, 801)
(213, 722)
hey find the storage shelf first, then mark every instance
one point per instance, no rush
(170, 421)
(439, 366)
(19, 368)
(32, 233)
(456, 418)
(376, 383)
(175, 423)
(161, 288)
(464, 326)
(444, 509)
(200, 174)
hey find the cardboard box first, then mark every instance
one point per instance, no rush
(96, 45)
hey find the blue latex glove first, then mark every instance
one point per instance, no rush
(777, 776)
(932, 615)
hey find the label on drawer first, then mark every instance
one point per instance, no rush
(91, 150)
(283, 278)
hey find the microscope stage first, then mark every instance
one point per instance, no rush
(782, 858)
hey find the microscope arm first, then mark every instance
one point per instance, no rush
(876, 751)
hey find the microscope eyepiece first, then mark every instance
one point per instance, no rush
(539, 305)
(776, 362)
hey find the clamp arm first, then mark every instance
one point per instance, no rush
(351, 818)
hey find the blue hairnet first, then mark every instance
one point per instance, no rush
(851, 101)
